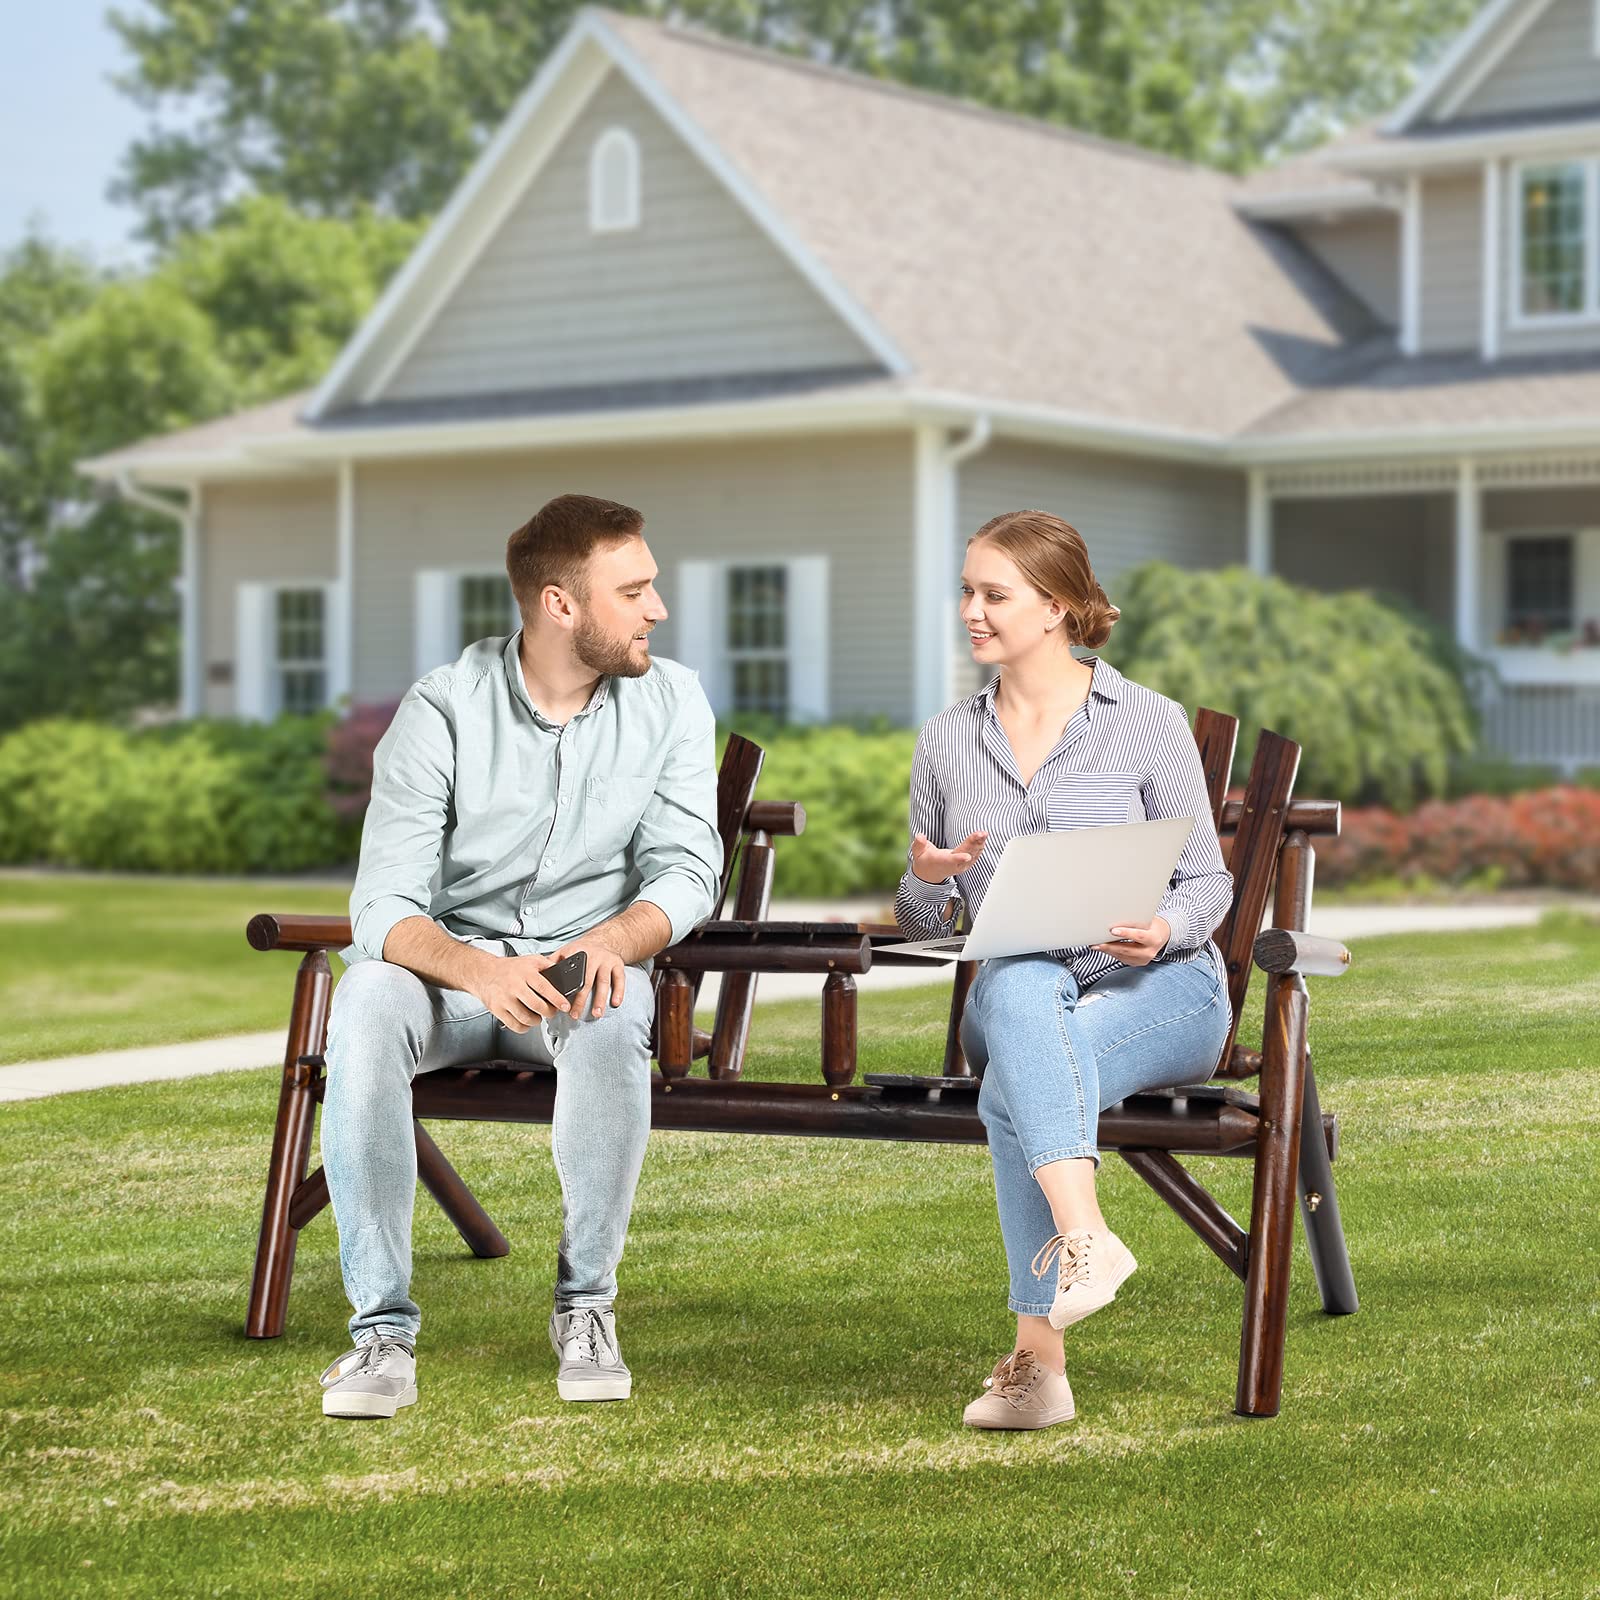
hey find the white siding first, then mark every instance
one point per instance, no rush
(695, 290)
(1128, 510)
(1452, 263)
(1364, 254)
(1552, 64)
(846, 499)
(258, 533)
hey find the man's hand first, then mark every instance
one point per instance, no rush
(604, 978)
(515, 989)
(1139, 944)
(934, 865)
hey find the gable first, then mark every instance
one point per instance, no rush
(1553, 64)
(697, 289)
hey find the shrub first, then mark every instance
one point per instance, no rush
(1360, 687)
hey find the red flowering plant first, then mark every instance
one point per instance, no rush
(349, 757)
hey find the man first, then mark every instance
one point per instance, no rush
(548, 793)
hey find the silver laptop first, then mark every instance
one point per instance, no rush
(1053, 891)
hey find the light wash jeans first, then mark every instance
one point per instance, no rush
(1056, 1058)
(387, 1025)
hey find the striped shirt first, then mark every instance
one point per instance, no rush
(1126, 754)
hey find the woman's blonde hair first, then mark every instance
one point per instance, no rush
(1052, 556)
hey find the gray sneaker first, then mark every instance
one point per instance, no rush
(591, 1367)
(373, 1380)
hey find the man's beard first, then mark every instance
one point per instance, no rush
(602, 653)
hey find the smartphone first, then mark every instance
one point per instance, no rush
(567, 976)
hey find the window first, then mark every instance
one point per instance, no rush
(485, 607)
(1552, 202)
(614, 182)
(1539, 586)
(757, 639)
(300, 646)
(757, 633)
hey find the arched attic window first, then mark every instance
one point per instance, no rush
(614, 182)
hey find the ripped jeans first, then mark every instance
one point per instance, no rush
(1056, 1058)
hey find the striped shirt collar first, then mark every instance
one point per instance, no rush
(1105, 682)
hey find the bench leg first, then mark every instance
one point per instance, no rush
(456, 1200)
(1319, 1210)
(1266, 1293)
(291, 1149)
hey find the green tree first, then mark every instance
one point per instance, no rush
(235, 315)
(340, 104)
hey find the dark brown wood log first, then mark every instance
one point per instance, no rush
(838, 1029)
(781, 817)
(291, 1149)
(309, 1199)
(1195, 1205)
(456, 1200)
(764, 950)
(1216, 734)
(737, 775)
(955, 1058)
(276, 931)
(1266, 1300)
(1320, 817)
(1242, 1063)
(674, 1025)
(1279, 950)
(737, 996)
(1252, 864)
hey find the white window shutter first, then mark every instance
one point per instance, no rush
(438, 611)
(699, 628)
(254, 652)
(336, 646)
(808, 639)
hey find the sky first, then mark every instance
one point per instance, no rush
(63, 127)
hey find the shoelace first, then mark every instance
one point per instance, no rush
(1072, 1249)
(1014, 1376)
(590, 1335)
(369, 1357)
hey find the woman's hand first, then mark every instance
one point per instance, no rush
(934, 865)
(1140, 944)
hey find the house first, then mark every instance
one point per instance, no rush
(819, 327)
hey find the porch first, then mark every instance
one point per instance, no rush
(1504, 551)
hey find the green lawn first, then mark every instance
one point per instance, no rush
(108, 963)
(806, 1320)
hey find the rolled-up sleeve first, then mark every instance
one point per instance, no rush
(676, 847)
(1201, 890)
(413, 774)
(919, 907)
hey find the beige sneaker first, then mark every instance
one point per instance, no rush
(1021, 1392)
(1091, 1267)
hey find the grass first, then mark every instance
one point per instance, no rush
(806, 1319)
(110, 963)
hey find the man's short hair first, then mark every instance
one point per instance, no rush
(555, 543)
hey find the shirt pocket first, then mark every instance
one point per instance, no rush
(1093, 800)
(612, 806)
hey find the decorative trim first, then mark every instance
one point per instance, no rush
(1538, 471)
(1489, 330)
(1400, 156)
(1411, 269)
(1359, 478)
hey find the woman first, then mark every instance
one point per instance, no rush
(1053, 743)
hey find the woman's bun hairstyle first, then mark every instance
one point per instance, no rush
(1052, 556)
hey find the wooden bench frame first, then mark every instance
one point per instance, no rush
(1281, 1130)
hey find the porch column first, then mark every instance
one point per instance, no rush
(1258, 526)
(1489, 332)
(1411, 269)
(1469, 529)
(341, 638)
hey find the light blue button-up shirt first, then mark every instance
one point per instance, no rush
(499, 824)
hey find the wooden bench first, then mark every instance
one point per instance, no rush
(1281, 1130)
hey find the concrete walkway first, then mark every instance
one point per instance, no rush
(30, 1080)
